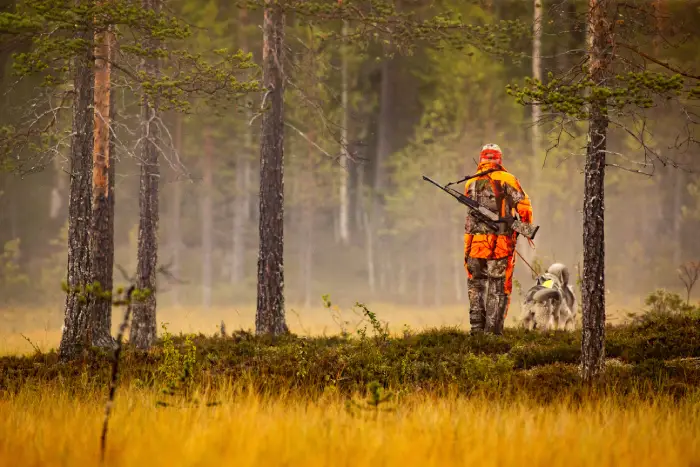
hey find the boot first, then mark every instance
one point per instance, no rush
(476, 323)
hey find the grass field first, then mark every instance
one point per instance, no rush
(25, 328)
(49, 428)
(456, 399)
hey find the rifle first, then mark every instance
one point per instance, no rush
(487, 216)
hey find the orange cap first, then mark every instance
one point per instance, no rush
(491, 153)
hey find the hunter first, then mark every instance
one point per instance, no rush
(489, 256)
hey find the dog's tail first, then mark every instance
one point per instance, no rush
(546, 294)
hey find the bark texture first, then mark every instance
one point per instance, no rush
(143, 329)
(270, 316)
(102, 222)
(75, 336)
(593, 284)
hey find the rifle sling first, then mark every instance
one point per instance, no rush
(469, 177)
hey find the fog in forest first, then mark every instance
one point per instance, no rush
(406, 263)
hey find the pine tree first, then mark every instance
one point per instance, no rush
(143, 327)
(270, 316)
(103, 171)
(75, 336)
(62, 35)
(619, 83)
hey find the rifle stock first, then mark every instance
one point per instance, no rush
(490, 218)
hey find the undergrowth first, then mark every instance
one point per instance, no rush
(656, 353)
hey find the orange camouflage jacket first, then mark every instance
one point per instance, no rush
(500, 192)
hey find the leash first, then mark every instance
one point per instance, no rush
(534, 273)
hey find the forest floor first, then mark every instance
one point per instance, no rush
(26, 328)
(370, 397)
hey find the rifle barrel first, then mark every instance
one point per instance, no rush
(493, 219)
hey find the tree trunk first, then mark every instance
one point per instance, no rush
(437, 275)
(240, 210)
(307, 260)
(58, 191)
(374, 241)
(143, 329)
(269, 318)
(6, 52)
(593, 287)
(344, 211)
(308, 214)
(420, 282)
(369, 249)
(359, 196)
(241, 202)
(176, 213)
(384, 130)
(76, 318)
(207, 221)
(661, 14)
(536, 111)
(102, 222)
(536, 188)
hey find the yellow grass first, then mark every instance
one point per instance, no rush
(48, 428)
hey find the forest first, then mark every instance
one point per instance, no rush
(213, 216)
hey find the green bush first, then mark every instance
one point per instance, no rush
(658, 353)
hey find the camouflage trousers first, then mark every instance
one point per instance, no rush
(488, 299)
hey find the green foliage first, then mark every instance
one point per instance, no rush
(61, 31)
(633, 89)
(177, 367)
(95, 290)
(382, 21)
(461, 108)
(376, 396)
(664, 303)
(380, 331)
(650, 357)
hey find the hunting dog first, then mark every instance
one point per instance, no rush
(551, 302)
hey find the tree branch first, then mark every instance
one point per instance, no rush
(303, 135)
(666, 65)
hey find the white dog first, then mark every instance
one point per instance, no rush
(551, 301)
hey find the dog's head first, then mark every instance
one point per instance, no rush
(547, 288)
(561, 272)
